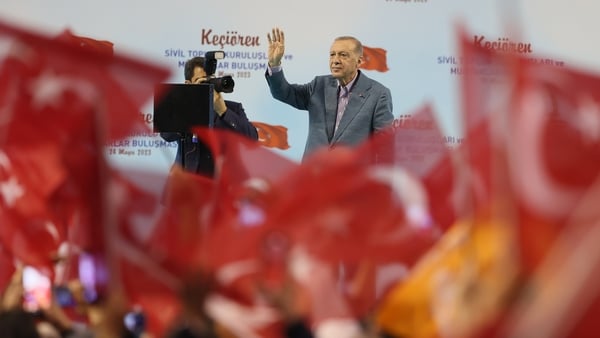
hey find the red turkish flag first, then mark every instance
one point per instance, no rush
(272, 136)
(560, 108)
(556, 136)
(374, 59)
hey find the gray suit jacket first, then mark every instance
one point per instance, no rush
(369, 108)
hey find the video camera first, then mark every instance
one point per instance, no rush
(222, 84)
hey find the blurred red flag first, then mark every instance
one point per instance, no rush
(153, 289)
(243, 193)
(265, 221)
(180, 230)
(87, 43)
(329, 201)
(531, 129)
(374, 59)
(552, 151)
(486, 86)
(556, 137)
(239, 158)
(562, 298)
(544, 120)
(241, 166)
(267, 210)
(33, 241)
(28, 177)
(327, 216)
(207, 223)
(42, 74)
(140, 267)
(57, 93)
(416, 144)
(74, 99)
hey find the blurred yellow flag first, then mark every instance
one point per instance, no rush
(457, 287)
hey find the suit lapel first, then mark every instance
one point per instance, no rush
(358, 97)
(331, 94)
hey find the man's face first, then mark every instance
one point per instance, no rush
(343, 60)
(199, 76)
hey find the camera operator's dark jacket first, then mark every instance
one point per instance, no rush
(194, 156)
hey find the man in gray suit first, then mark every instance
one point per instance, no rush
(345, 107)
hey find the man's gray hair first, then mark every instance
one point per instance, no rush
(358, 47)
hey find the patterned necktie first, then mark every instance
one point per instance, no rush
(342, 103)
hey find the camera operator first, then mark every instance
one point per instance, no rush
(193, 155)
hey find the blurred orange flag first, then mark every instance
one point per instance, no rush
(458, 287)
